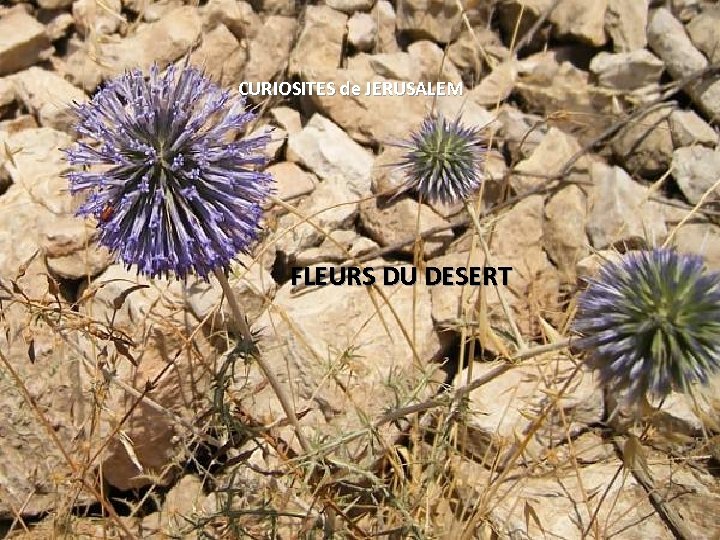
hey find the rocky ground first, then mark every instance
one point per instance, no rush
(130, 414)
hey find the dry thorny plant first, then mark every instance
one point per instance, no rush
(418, 489)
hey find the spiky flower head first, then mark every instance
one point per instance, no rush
(172, 188)
(443, 160)
(651, 323)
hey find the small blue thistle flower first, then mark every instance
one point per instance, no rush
(443, 161)
(651, 323)
(172, 189)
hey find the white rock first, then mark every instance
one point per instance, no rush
(326, 150)
(363, 349)
(627, 70)
(402, 221)
(362, 31)
(549, 158)
(91, 17)
(695, 169)
(291, 181)
(505, 405)
(287, 118)
(220, 43)
(398, 66)
(581, 19)
(269, 50)
(350, 6)
(625, 23)
(667, 38)
(384, 14)
(320, 43)
(645, 146)
(238, 16)
(703, 31)
(564, 235)
(687, 129)
(436, 20)
(431, 64)
(48, 96)
(252, 285)
(700, 239)
(620, 210)
(22, 41)
(161, 42)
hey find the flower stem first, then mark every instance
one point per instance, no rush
(272, 379)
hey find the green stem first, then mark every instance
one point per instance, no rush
(279, 390)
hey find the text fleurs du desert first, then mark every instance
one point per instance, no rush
(399, 275)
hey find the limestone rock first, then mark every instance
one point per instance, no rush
(521, 133)
(156, 318)
(236, 15)
(667, 38)
(370, 119)
(396, 66)
(161, 42)
(436, 20)
(627, 70)
(332, 205)
(564, 235)
(291, 181)
(384, 14)
(620, 211)
(695, 169)
(549, 158)
(431, 63)
(685, 10)
(583, 20)
(362, 31)
(497, 85)
(645, 146)
(700, 239)
(252, 285)
(392, 223)
(516, 241)
(90, 17)
(287, 118)
(59, 26)
(350, 6)
(220, 43)
(702, 30)
(22, 41)
(269, 50)
(326, 150)
(522, 14)
(364, 349)
(506, 404)
(568, 516)
(625, 23)
(48, 96)
(71, 249)
(319, 46)
(387, 178)
(688, 129)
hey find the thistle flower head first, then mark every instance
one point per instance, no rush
(172, 189)
(443, 160)
(651, 323)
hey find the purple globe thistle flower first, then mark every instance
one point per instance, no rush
(172, 189)
(651, 323)
(443, 161)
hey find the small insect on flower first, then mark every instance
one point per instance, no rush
(650, 323)
(107, 212)
(172, 187)
(443, 161)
